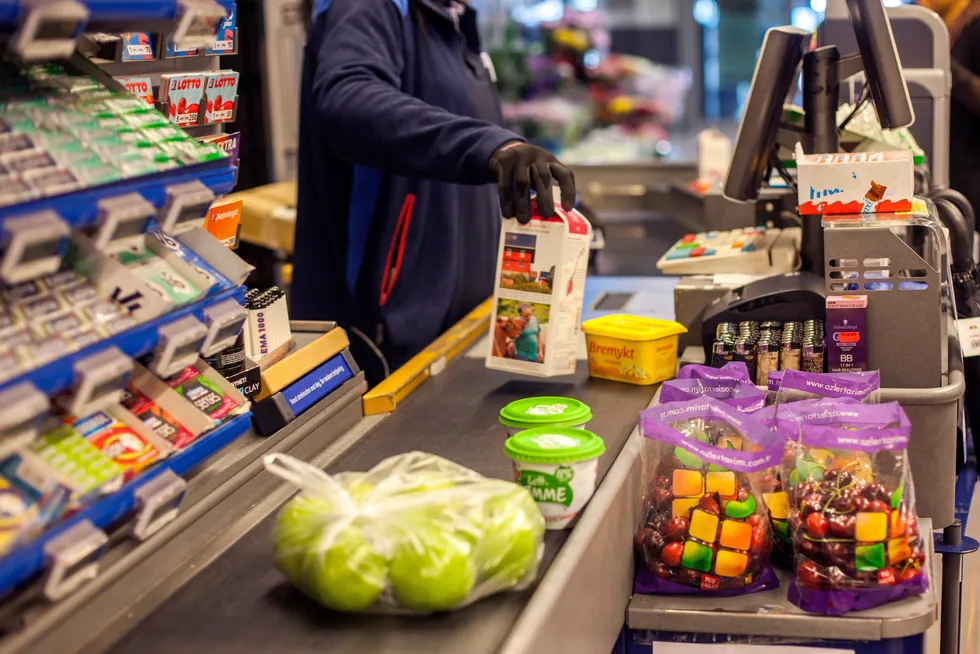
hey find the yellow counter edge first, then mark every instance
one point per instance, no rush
(384, 397)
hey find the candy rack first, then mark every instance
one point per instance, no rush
(93, 215)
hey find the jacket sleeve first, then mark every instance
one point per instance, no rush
(369, 121)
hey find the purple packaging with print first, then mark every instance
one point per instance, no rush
(796, 385)
(706, 468)
(851, 505)
(740, 394)
(731, 370)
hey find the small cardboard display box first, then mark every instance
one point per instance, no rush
(535, 325)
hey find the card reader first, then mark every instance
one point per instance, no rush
(749, 250)
(33, 246)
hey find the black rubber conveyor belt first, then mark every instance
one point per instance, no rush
(241, 604)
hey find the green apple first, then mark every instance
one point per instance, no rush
(344, 573)
(511, 540)
(296, 531)
(432, 570)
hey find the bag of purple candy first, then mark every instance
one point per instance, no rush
(731, 370)
(798, 385)
(740, 394)
(704, 527)
(850, 505)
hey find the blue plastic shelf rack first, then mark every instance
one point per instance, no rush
(56, 376)
(111, 10)
(80, 208)
(25, 562)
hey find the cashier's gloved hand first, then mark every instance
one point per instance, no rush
(519, 167)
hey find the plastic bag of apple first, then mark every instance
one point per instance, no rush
(415, 534)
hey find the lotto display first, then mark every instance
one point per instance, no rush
(705, 527)
(416, 533)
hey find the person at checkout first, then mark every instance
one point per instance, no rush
(962, 18)
(404, 173)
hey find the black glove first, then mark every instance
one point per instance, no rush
(518, 166)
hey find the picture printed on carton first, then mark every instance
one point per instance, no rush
(520, 330)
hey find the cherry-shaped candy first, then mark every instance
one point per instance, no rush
(676, 528)
(759, 537)
(812, 503)
(817, 526)
(842, 526)
(709, 504)
(671, 554)
(910, 573)
(878, 506)
(662, 498)
(809, 574)
(837, 554)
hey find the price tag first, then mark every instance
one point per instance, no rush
(74, 557)
(159, 501)
(969, 329)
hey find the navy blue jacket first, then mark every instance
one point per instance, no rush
(397, 225)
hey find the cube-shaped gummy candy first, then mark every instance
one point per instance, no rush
(871, 527)
(730, 564)
(898, 523)
(730, 442)
(722, 483)
(778, 504)
(869, 558)
(898, 550)
(696, 556)
(687, 483)
(736, 535)
(683, 506)
(704, 526)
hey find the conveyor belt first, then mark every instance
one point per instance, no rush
(240, 603)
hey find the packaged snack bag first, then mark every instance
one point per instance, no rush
(415, 534)
(739, 394)
(731, 370)
(851, 506)
(705, 526)
(797, 385)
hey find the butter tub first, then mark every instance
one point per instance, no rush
(632, 349)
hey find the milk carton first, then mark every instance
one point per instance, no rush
(537, 309)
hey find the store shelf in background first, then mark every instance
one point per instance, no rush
(56, 376)
(110, 12)
(26, 561)
(80, 208)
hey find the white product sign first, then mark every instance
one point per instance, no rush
(969, 329)
(737, 648)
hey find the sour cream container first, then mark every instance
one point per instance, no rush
(559, 467)
(533, 412)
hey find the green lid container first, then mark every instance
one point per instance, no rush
(534, 412)
(554, 445)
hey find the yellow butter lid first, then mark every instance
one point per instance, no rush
(632, 328)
